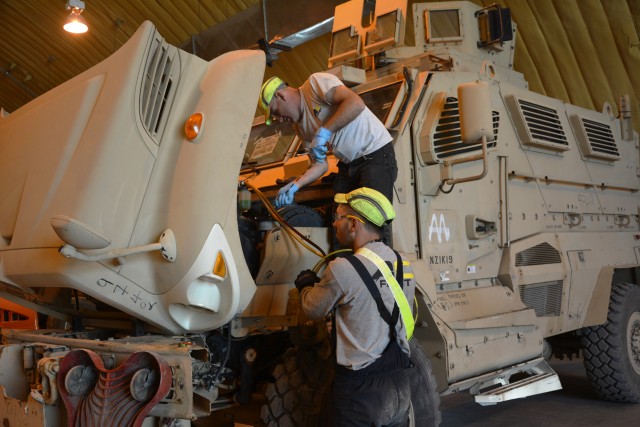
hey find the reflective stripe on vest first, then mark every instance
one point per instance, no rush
(400, 297)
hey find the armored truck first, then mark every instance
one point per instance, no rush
(135, 214)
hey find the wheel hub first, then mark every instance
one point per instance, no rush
(633, 342)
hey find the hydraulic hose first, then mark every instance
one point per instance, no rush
(295, 234)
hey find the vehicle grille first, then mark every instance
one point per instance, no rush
(447, 139)
(540, 254)
(158, 87)
(544, 298)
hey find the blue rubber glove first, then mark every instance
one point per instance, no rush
(318, 149)
(285, 195)
(319, 153)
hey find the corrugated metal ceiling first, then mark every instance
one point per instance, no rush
(581, 51)
(40, 55)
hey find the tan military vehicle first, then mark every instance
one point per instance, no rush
(135, 215)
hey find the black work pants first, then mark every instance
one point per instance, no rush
(376, 396)
(377, 170)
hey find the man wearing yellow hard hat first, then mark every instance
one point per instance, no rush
(370, 292)
(327, 115)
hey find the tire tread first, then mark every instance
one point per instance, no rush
(605, 353)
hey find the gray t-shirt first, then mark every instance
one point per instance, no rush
(363, 135)
(362, 334)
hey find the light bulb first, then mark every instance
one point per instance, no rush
(75, 22)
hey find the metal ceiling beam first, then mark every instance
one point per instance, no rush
(269, 20)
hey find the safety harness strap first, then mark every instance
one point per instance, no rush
(375, 293)
(399, 296)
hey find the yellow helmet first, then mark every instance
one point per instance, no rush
(269, 89)
(370, 203)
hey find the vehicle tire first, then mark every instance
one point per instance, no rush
(425, 399)
(299, 396)
(612, 351)
(301, 216)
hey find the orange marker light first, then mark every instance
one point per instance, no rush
(220, 267)
(193, 126)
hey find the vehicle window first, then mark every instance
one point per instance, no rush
(381, 99)
(268, 145)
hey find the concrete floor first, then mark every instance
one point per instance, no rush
(575, 405)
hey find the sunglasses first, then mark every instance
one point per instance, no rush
(337, 217)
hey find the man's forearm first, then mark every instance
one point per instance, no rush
(317, 301)
(315, 171)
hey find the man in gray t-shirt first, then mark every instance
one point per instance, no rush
(372, 326)
(328, 115)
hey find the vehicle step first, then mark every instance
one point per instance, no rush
(539, 383)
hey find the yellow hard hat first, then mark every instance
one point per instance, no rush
(269, 89)
(371, 204)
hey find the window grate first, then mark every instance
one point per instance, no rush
(543, 124)
(537, 124)
(596, 139)
(447, 138)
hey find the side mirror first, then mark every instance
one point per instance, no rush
(474, 104)
(476, 123)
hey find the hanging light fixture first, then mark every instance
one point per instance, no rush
(75, 22)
